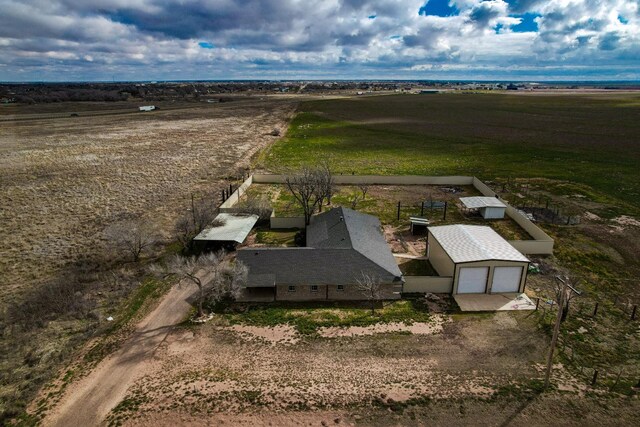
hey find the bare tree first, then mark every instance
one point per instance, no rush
(363, 189)
(311, 188)
(257, 206)
(326, 184)
(371, 289)
(215, 278)
(132, 237)
(227, 282)
(355, 200)
(200, 215)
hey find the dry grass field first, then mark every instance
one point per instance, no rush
(65, 180)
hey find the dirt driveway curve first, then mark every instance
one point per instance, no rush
(90, 400)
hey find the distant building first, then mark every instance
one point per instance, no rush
(147, 108)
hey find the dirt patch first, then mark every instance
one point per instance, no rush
(282, 334)
(418, 328)
(626, 221)
(244, 372)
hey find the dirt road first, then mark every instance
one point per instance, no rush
(89, 401)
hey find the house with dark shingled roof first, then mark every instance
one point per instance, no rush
(341, 245)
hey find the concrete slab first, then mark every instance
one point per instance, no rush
(494, 302)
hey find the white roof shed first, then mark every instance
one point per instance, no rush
(234, 228)
(489, 207)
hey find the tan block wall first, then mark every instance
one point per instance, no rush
(431, 284)
(377, 179)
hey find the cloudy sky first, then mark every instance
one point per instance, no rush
(55, 40)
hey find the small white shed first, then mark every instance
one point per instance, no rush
(478, 259)
(489, 207)
(147, 108)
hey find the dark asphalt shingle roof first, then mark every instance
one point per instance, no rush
(341, 244)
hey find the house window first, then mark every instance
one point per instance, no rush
(314, 288)
(292, 288)
(341, 287)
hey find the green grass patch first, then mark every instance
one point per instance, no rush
(590, 141)
(308, 317)
(273, 237)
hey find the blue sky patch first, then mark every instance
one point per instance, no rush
(438, 8)
(623, 19)
(528, 23)
(373, 16)
(395, 37)
(206, 45)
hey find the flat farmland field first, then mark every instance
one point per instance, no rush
(65, 180)
(589, 140)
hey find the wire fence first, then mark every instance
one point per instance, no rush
(621, 375)
(536, 206)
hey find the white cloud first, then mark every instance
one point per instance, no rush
(315, 37)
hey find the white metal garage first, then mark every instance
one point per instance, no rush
(506, 279)
(478, 259)
(473, 280)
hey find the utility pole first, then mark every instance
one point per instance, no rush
(556, 331)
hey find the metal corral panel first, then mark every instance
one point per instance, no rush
(234, 228)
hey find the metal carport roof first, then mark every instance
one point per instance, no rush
(234, 228)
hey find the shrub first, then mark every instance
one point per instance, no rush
(61, 297)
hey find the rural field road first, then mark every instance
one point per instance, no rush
(89, 401)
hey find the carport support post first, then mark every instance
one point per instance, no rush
(554, 338)
(444, 215)
(398, 211)
(633, 313)
(422, 209)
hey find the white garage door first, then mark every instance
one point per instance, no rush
(473, 280)
(506, 279)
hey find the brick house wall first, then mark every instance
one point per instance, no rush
(331, 293)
